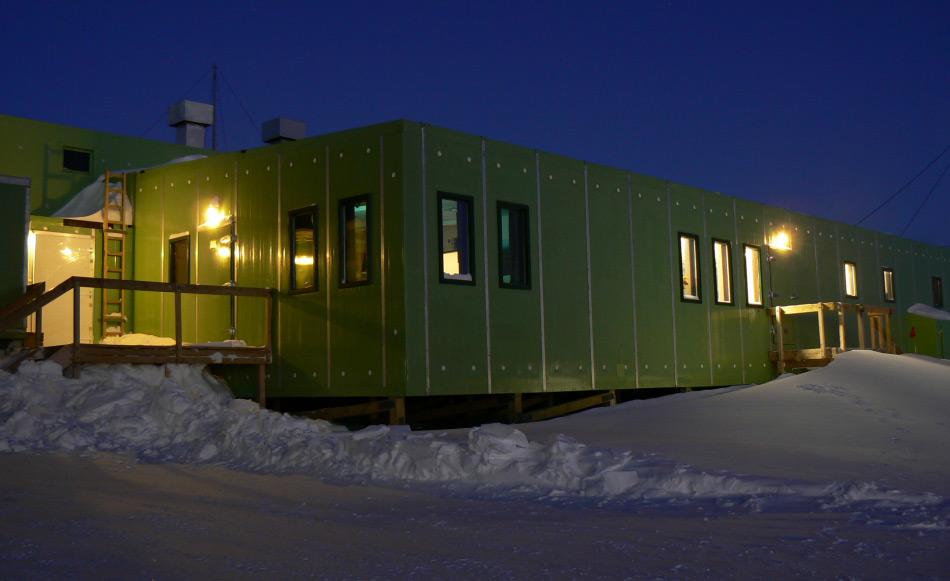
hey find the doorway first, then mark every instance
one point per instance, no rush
(54, 257)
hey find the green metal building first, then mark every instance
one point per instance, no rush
(413, 260)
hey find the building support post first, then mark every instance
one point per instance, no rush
(779, 341)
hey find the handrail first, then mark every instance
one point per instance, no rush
(74, 283)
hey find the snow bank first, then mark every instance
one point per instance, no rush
(189, 417)
(929, 312)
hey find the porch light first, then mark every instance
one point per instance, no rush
(214, 216)
(780, 240)
(303, 260)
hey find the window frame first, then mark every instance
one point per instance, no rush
(884, 271)
(732, 288)
(471, 237)
(936, 283)
(341, 240)
(745, 274)
(88, 152)
(844, 273)
(699, 276)
(512, 206)
(314, 211)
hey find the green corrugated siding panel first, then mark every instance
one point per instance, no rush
(567, 324)
(754, 320)
(725, 332)
(457, 324)
(34, 149)
(515, 313)
(611, 279)
(653, 246)
(145, 261)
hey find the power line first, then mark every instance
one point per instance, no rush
(922, 204)
(903, 187)
(190, 89)
(238, 99)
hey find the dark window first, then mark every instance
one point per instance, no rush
(354, 241)
(937, 284)
(77, 160)
(303, 249)
(689, 268)
(753, 275)
(888, 280)
(456, 239)
(722, 263)
(514, 269)
(179, 264)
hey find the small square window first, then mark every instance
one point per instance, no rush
(936, 284)
(456, 239)
(850, 280)
(513, 263)
(722, 259)
(888, 280)
(79, 160)
(753, 275)
(689, 268)
(303, 249)
(354, 241)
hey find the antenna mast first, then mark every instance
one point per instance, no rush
(214, 104)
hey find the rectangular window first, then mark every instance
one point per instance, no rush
(889, 294)
(456, 239)
(722, 257)
(303, 249)
(937, 284)
(77, 159)
(179, 264)
(513, 267)
(753, 276)
(354, 241)
(850, 280)
(689, 268)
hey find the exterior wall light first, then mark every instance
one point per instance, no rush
(780, 241)
(214, 215)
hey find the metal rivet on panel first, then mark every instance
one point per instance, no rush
(504, 368)
(727, 213)
(702, 366)
(710, 210)
(369, 150)
(718, 366)
(603, 367)
(573, 181)
(227, 175)
(639, 195)
(530, 367)
(291, 164)
(756, 220)
(295, 375)
(314, 160)
(550, 177)
(625, 366)
(173, 184)
(557, 368)
(343, 373)
(618, 190)
(268, 168)
(314, 373)
(524, 170)
(189, 182)
(392, 175)
(369, 372)
(684, 366)
(468, 158)
(439, 153)
(596, 186)
(154, 187)
(733, 365)
(443, 368)
(498, 164)
(207, 178)
(247, 172)
(665, 366)
(770, 224)
(580, 368)
(341, 155)
(658, 198)
(646, 366)
(395, 331)
(140, 189)
(473, 368)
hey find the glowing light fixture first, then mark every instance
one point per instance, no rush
(214, 216)
(303, 260)
(780, 241)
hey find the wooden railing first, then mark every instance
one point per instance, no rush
(35, 299)
(879, 321)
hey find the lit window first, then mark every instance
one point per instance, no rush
(77, 159)
(513, 269)
(456, 239)
(889, 294)
(722, 257)
(937, 284)
(753, 276)
(303, 249)
(850, 280)
(689, 268)
(354, 241)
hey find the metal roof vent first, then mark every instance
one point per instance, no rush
(190, 118)
(281, 129)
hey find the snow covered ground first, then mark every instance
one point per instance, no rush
(839, 471)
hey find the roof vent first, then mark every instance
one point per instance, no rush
(189, 118)
(281, 129)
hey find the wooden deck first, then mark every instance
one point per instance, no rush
(90, 354)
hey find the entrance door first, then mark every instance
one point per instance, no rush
(57, 256)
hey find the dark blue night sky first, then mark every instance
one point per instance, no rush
(825, 108)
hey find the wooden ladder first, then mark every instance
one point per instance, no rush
(114, 231)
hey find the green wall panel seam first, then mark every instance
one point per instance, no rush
(544, 357)
(590, 293)
(488, 365)
(633, 281)
(425, 261)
